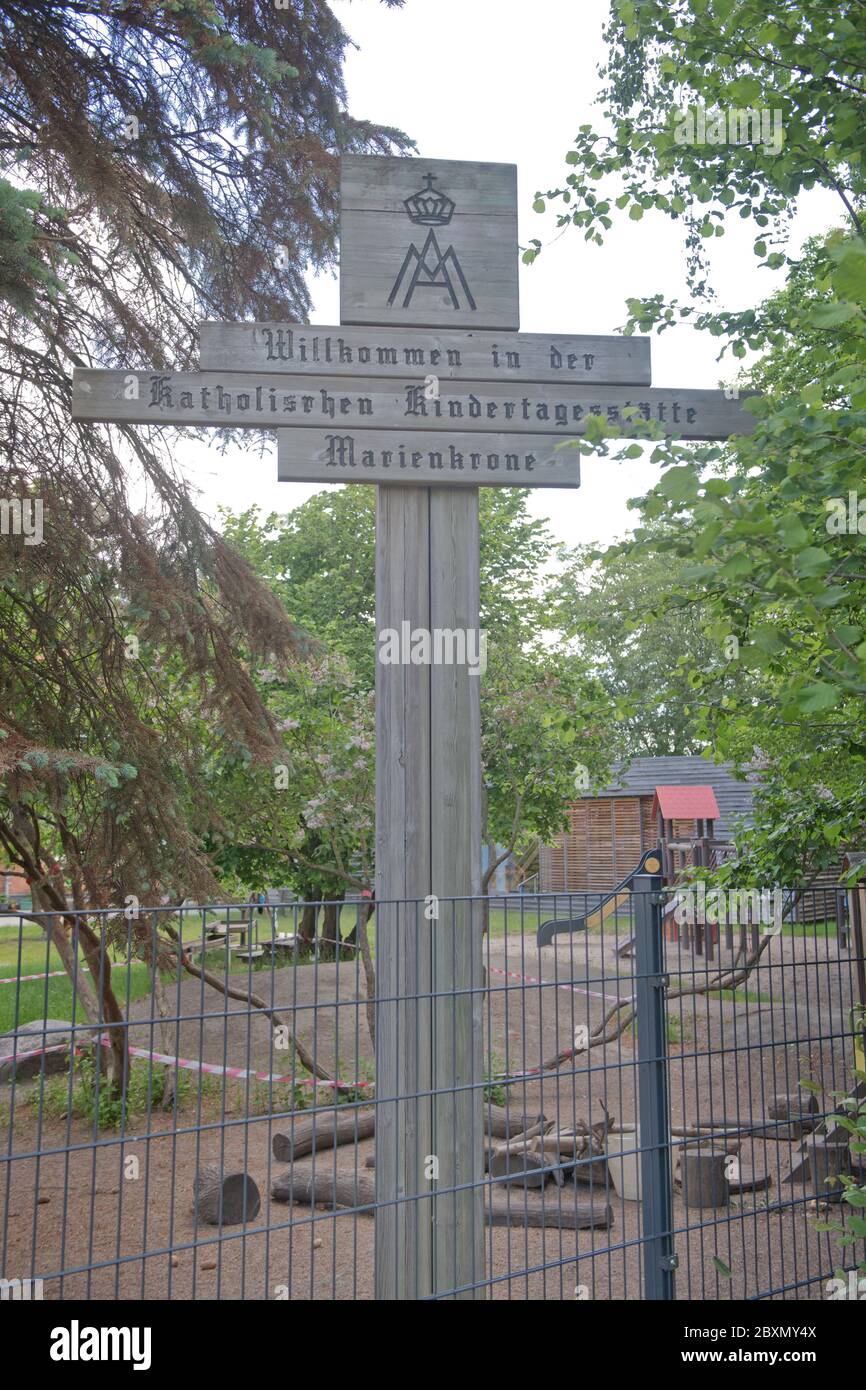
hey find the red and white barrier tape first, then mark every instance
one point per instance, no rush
(46, 975)
(241, 1073)
(571, 989)
(212, 1068)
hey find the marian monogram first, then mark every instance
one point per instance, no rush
(431, 268)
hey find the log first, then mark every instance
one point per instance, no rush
(793, 1107)
(704, 1181)
(828, 1158)
(329, 1131)
(756, 1182)
(525, 1168)
(224, 1199)
(531, 1209)
(322, 1132)
(501, 1123)
(593, 1172)
(353, 1191)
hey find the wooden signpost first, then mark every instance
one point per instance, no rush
(427, 390)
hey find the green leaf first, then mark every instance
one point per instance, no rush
(817, 697)
(830, 315)
(812, 561)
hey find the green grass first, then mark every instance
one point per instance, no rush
(38, 999)
(739, 996)
(25, 951)
(815, 929)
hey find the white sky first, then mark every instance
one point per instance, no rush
(511, 81)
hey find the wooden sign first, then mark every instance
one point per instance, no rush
(430, 387)
(413, 458)
(269, 400)
(428, 241)
(306, 349)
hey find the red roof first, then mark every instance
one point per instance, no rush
(686, 803)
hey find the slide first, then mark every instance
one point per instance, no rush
(608, 905)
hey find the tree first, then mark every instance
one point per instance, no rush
(759, 529)
(616, 607)
(161, 163)
(543, 715)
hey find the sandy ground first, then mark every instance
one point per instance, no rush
(82, 1217)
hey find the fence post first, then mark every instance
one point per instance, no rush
(653, 1101)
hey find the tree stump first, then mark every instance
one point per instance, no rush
(800, 1110)
(520, 1168)
(704, 1181)
(828, 1158)
(224, 1199)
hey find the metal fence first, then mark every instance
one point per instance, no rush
(645, 1130)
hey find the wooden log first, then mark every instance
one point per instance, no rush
(801, 1112)
(593, 1173)
(829, 1157)
(224, 1199)
(548, 1209)
(792, 1107)
(704, 1181)
(522, 1168)
(744, 1182)
(502, 1123)
(354, 1191)
(323, 1132)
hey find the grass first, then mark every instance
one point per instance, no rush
(217, 1096)
(495, 1093)
(38, 999)
(25, 951)
(739, 996)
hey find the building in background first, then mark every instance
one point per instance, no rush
(609, 830)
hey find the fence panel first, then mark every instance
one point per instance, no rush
(237, 1156)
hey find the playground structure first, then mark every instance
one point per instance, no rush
(684, 817)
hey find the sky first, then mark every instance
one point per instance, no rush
(511, 81)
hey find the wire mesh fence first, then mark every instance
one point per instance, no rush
(189, 1105)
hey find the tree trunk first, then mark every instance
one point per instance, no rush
(307, 927)
(323, 1132)
(96, 954)
(57, 934)
(224, 1199)
(329, 937)
(160, 999)
(329, 1131)
(356, 1190)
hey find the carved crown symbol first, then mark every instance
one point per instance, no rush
(429, 207)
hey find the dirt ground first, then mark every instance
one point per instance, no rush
(79, 1215)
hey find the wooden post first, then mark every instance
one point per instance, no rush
(455, 748)
(428, 847)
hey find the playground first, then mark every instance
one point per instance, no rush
(112, 1204)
